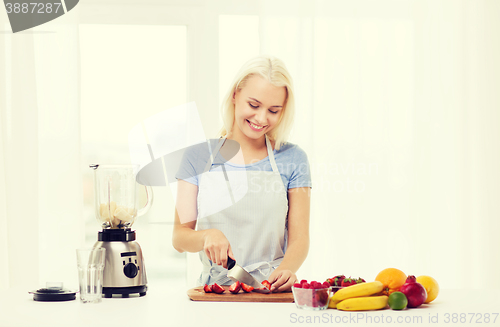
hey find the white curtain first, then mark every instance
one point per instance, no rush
(398, 112)
(40, 184)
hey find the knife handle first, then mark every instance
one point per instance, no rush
(230, 263)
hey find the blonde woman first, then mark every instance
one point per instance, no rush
(266, 231)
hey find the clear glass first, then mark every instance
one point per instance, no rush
(90, 264)
(115, 189)
(311, 299)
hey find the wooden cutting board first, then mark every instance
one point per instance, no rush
(198, 294)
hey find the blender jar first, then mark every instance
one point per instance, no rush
(115, 189)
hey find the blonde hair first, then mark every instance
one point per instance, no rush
(274, 71)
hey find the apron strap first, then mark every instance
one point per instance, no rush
(213, 154)
(270, 153)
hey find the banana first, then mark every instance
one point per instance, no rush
(363, 303)
(332, 304)
(358, 290)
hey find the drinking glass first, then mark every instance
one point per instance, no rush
(90, 272)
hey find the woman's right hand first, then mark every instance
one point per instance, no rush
(217, 247)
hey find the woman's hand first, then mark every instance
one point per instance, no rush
(282, 280)
(217, 247)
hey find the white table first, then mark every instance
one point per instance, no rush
(166, 304)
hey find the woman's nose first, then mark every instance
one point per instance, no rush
(260, 116)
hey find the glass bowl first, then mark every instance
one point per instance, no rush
(311, 299)
(336, 288)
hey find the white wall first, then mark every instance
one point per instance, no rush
(406, 90)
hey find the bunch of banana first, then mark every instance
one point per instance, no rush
(359, 297)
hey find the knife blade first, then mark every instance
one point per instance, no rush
(236, 273)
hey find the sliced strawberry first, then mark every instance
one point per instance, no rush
(207, 289)
(246, 288)
(348, 282)
(216, 288)
(266, 284)
(235, 288)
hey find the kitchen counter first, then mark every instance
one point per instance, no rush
(166, 304)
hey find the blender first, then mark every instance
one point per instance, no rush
(116, 191)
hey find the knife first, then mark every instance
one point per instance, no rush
(236, 273)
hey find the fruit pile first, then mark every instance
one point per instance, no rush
(391, 287)
(405, 291)
(234, 288)
(311, 295)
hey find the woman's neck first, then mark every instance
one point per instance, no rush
(247, 143)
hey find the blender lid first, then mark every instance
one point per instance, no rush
(51, 294)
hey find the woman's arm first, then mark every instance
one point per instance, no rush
(299, 202)
(186, 238)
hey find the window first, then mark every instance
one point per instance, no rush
(138, 71)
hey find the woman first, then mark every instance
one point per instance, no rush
(267, 230)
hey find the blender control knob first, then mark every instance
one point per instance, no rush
(130, 270)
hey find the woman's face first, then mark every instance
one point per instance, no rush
(258, 107)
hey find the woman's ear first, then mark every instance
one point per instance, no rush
(234, 97)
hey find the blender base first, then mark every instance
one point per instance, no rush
(108, 292)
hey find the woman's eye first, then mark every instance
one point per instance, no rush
(274, 112)
(251, 105)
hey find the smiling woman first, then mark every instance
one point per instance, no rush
(267, 230)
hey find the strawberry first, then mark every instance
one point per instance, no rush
(348, 282)
(235, 288)
(297, 285)
(266, 284)
(326, 285)
(360, 280)
(216, 288)
(246, 288)
(337, 280)
(207, 289)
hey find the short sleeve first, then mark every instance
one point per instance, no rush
(301, 173)
(192, 163)
(186, 170)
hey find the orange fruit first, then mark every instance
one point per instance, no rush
(430, 285)
(392, 279)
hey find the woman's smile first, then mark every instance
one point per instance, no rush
(255, 127)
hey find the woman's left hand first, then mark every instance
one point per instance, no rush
(282, 280)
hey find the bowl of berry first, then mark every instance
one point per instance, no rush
(311, 295)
